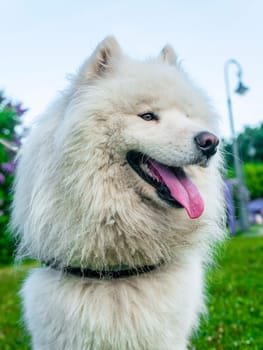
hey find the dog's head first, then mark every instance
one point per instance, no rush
(127, 153)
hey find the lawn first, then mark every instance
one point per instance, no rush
(235, 301)
(12, 334)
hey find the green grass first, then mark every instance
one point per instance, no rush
(235, 301)
(254, 230)
(12, 334)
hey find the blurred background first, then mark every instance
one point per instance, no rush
(220, 44)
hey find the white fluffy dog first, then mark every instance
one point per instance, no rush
(118, 194)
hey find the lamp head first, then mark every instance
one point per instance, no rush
(241, 88)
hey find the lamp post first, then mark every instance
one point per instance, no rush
(242, 192)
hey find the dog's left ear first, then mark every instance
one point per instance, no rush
(168, 55)
(102, 60)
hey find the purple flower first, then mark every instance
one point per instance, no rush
(19, 110)
(17, 141)
(9, 105)
(2, 179)
(8, 167)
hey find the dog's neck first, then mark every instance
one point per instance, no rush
(111, 272)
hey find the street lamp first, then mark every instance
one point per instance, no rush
(242, 192)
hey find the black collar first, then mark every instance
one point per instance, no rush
(102, 274)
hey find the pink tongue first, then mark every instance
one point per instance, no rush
(182, 189)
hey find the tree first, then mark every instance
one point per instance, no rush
(10, 118)
(254, 179)
(250, 145)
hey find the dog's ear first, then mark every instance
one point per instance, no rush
(168, 55)
(102, 60)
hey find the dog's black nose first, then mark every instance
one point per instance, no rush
(207, 143)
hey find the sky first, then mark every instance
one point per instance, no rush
(42, 42)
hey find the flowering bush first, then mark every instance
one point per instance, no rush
(10, 118)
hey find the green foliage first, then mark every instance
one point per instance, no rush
(250, 145)
(230, 173)
(250, 148)
(10, 114)
(254, 179)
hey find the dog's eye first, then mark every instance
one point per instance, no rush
(148, 116)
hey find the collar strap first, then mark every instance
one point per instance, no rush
(102, 274)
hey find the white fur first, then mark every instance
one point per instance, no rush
(78, 201)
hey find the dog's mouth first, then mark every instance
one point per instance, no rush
(171, 183)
